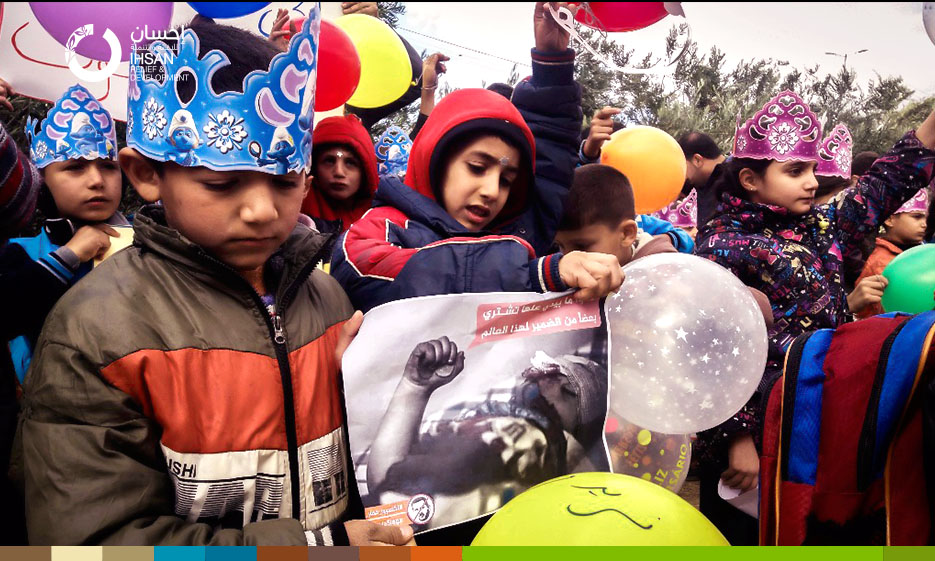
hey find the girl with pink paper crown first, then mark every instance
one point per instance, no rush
(903, 230)
(769, 233)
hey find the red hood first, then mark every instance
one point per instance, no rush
(455, 109)
(347, 131)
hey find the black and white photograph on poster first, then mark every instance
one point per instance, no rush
(472, 399)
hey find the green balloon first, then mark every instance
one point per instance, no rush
(598, 509)
(911, 276)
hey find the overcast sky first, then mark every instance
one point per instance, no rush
(798, 33)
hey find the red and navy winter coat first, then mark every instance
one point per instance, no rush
(408, 245)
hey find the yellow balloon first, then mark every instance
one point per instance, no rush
(385, 70)
(598, 509)
(653, 162)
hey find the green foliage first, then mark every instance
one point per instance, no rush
(389, 12)
(702, 93)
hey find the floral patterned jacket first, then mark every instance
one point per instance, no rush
(798, 261)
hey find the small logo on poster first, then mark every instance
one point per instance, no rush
(421, 509)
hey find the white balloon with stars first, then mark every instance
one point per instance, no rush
(688, 344)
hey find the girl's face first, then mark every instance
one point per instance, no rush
(338, 173)
(85, 190)
(790, 185)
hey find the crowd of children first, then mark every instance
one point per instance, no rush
(210, 349)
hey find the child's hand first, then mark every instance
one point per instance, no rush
(743, 470)
(868, 291)
(602, 126)
(364, 533)
(595, 274)
(432, 67)
(348, 332)
(366, 8)
(433, 364)
(5, 91)
(91, 241)
(550, 37)
(279, 35)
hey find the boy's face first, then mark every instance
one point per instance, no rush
(239, 217)
(338, 173)
(600, 238)
(906, 228)
(86, 190)
(478, 180)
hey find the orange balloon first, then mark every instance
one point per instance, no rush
(653, 162)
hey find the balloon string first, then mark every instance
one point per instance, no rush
(564, 18)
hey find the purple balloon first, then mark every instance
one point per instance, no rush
(61, 19)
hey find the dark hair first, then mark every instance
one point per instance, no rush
(505, 90)
(246, 51)
(695, 142)
(599, 194)
(862, 162)
(728, 181)
(828, 185)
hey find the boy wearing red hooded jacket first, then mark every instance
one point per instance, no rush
(483, 196)
(344, 173)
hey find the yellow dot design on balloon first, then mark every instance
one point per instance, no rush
(661, 458)
(598, 509)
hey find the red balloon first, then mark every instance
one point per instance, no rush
(338, 68)
(621, 16)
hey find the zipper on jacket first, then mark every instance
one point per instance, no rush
(278, 336)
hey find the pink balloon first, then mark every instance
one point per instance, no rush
(61, 19)
(621, 16)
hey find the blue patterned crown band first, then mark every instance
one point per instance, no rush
(266, 128)
(77, 127)
(392, 150)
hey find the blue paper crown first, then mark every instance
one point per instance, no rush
(392, 150)
(77, 127)
(266, 128)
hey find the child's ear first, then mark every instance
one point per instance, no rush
(748, 179)
(889, 222)
(628, 232)
(141, 174)
(309, 181)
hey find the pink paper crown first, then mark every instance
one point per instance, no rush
(918, 203)
(682, 214)
(785, 129)
(836, 153)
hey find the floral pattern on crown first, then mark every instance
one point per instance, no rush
(784, 129)
(681, 214)
(836, 153)
(77, 127)
(266, 128)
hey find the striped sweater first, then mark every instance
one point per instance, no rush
(19, 186)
